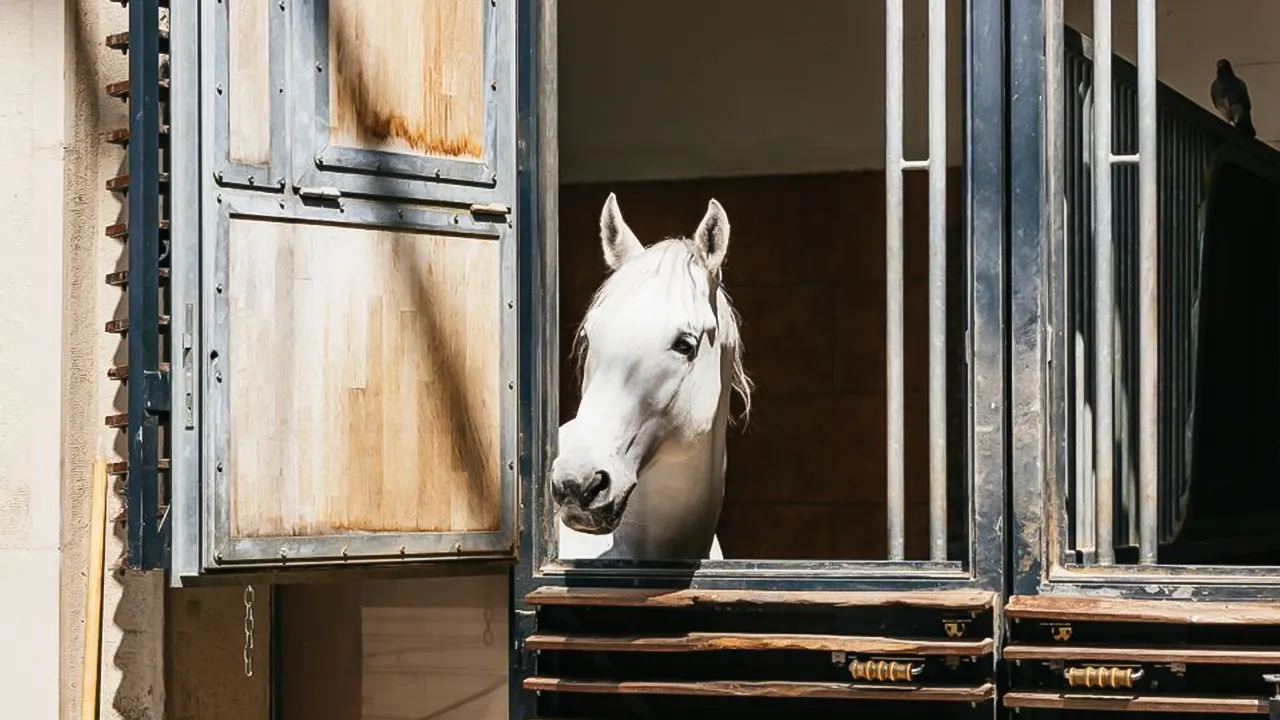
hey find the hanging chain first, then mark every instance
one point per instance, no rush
(488, 620)
(248, 630)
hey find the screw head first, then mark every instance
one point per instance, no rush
(219, 467)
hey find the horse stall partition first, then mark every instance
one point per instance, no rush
(859, 552)
(1143, 555)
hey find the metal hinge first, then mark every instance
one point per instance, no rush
(490, 209)
(320, 193)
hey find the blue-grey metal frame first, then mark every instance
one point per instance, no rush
(148, 387)
(1040, 361)
(984, 232)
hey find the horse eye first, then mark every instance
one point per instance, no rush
(684, 346)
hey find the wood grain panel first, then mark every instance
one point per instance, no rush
(966, 600)
(773, 689)
(1177, 612)
(408, 76)
(426, 653)
(714, 641)
(249, 82)
(364, 373)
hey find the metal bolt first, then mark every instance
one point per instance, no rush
(401, 549)
(218, 288)
(280, 203)
(457, 548)
(400, 214)
(455, 219)
(493, 178)
(511, 465)
(282, 6)
(219, 467)
(511, 304)
(319, 67)
(251, 180)
(319, 162)
(283, 554)
(344, 551)
(218, 88)
(218, 176)
(218, 377)
(493, 85)
(437, 172)
(511, 386)
(219, 198)
(217, 557)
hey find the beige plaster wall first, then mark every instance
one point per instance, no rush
(31, 201)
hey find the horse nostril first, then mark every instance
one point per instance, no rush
(598, 483)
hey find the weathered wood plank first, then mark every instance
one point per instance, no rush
(121, 467)
(120, 89)
(409, 81)
(120, 230)
(1233, 705)
(364, 380)
(120, 278)
(120, 183)
(711, 641)
(120, 41)
(121, 325)
(1187, 612)
(957, 600)
(249, 82)
(121, 372)
(774, 689)
(120, 136)
(1221, 655)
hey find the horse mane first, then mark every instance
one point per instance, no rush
(670, 256)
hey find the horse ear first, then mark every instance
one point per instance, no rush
(712, 237)
(617, 239)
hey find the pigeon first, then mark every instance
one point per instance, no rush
(1231, 99)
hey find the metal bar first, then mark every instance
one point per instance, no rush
(143, 294)
(938, 279)
(1148, 288)
(1104, 278)
(894, 100)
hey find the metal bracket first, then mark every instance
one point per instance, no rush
(320, 193)
(497, 209)
(1274, 703)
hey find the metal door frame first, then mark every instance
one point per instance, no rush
(1038, 353)
(984, 212)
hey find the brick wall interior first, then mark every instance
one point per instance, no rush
(806, 270)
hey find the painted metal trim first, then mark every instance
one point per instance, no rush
(184, 290)
(148, 391)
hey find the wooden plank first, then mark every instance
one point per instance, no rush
(409, 81)
(120, 136)
(120, 89)
(774, 689)
(120, 230)
(121, 467)
(1219, 655)
(120, 278)
(1229, 705)
(120, 41)
(121, 325)
(711, 641)
(364, 380)
(121, 372)
(120, 183)
(955, 600)
(249, 82)
(1185, 612)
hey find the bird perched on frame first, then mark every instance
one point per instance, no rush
(1231, 99)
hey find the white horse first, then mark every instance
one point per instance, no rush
(640, 473)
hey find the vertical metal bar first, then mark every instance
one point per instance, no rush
(144, 282)
(1148, 286)
(1104, 279)
(893, 70)
(938, 279)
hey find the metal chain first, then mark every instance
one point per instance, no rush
(488, 620)
(248, 630)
